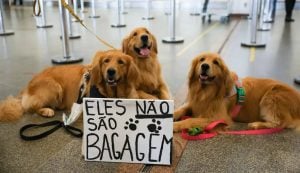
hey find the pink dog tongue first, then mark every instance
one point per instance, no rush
(145, 51)
(203, 77)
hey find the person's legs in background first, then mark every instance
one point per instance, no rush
(289, 6)
(297, 80)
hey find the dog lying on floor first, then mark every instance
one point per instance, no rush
(142, 46)
(112, 72)
(268, 103)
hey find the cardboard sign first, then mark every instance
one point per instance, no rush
(128, 130)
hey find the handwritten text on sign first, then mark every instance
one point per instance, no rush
(127, 130)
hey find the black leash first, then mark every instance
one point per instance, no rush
(94, 93)
(57, 124)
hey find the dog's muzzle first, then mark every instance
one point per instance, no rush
(111, 77)
(204, 76)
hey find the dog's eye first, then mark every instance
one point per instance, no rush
(147, 32)
(106, 61)
(216, 62)
(202, 59)
(121, 62)
(135, 34)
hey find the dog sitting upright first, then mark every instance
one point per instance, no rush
(268, 103)
(112, 72)
(142, 46)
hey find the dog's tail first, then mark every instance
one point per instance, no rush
(11, 109)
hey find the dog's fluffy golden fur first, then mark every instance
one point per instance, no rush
(114, 74)
(142, 46)
(58, 87)
(268, 103)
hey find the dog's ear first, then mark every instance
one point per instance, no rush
(95, 68)
(132, 73)
(154, 44)
(192, 73)
(125, 43)
(229, 78)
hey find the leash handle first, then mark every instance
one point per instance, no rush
(57, 124)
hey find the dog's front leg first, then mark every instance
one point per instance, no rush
(184, 110)
(144, 95)
(163, 91)
(190, 123)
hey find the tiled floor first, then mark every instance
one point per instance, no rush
(31, 49)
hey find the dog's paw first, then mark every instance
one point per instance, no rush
(254, 125)
(176, 127)
(46, 112)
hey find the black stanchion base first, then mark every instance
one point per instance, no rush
(297, 80)
(72, 36)
(118, 25)
(124, 12)
(66, 60)
(173, 40)
(253, 44)
(195, 14)
(44, 26)
(6, 33)
(94, 17)
(148, 18)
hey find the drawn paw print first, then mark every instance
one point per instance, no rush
(131, 124)
(154, 126)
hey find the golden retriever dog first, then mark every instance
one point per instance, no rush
(268, 103)
(142, 46)
(112, 72)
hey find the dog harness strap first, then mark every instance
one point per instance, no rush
(57, 124)
(240, 92)
(94, 92)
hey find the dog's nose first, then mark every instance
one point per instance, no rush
(204, 67)
(144, 38)
(111, 72)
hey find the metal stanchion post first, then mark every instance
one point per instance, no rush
(148, 16)
(72, 35)
(123, 7)
(3, 32)
(82, 6)
(253, 42)
(270, 11)
(93, 15)
(75, 8)
(118, 24)
(172, 25)
(261, 25)
(43, 17)
(168, 12)
(67, 58)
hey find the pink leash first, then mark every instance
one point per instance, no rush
(208, 134)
